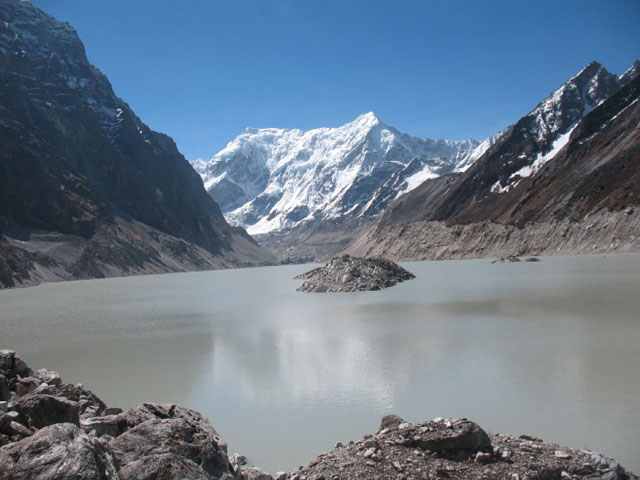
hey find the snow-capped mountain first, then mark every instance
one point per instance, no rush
(583, 200)
(523, 149)
(547, 128)
(270, 179)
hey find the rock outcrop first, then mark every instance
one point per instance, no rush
(456, 449)
(64, 431)
(352, 274)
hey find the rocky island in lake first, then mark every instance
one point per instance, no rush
(52, 430)
(353, 274)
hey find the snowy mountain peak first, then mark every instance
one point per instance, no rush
(368, 119)
(272, 179)
(544, 131)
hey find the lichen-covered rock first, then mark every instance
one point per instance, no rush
(352, 274)
(58, 452)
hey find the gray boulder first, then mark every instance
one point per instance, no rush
(166, 466)
(460, 435)
(43, 410)
(12, 365)
(89, 405)
(112, 425)
(48, 376)
(112, 411)
(57, 452)
(26, 385)
(390, 421)
(190, 437)
(255, 473)
(5, 392)
(6, 361)
(18, 430)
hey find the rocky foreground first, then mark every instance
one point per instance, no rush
(352, 274)
(52, 430)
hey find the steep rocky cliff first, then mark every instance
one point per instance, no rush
(86, 188)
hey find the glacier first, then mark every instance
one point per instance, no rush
(271, 179)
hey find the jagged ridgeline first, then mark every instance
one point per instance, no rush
(273, 180)
(310, 194)
(563, 179)
(86, 188)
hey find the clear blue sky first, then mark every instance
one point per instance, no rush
(202, 70)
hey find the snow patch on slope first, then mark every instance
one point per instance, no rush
(416, 179)
(541, 159)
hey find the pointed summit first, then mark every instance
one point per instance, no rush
(278, 179)
(587, 72)
(369, 119)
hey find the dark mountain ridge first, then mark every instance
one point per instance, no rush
(75, 160)
(578, 194)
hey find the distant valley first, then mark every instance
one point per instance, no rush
(309, 195)
(87, 190)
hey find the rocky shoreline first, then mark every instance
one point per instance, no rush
(352, 274)
(52, 430)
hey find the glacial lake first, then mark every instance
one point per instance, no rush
(549, 348)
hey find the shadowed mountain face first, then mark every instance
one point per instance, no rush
(571, 188)
(586, 161)
(524, 148)
(75, 160)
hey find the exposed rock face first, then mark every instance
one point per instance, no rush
(196, 442)
(524, 148)
(86, 188)
(57, 452)
(352, 274)
(167, 442)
